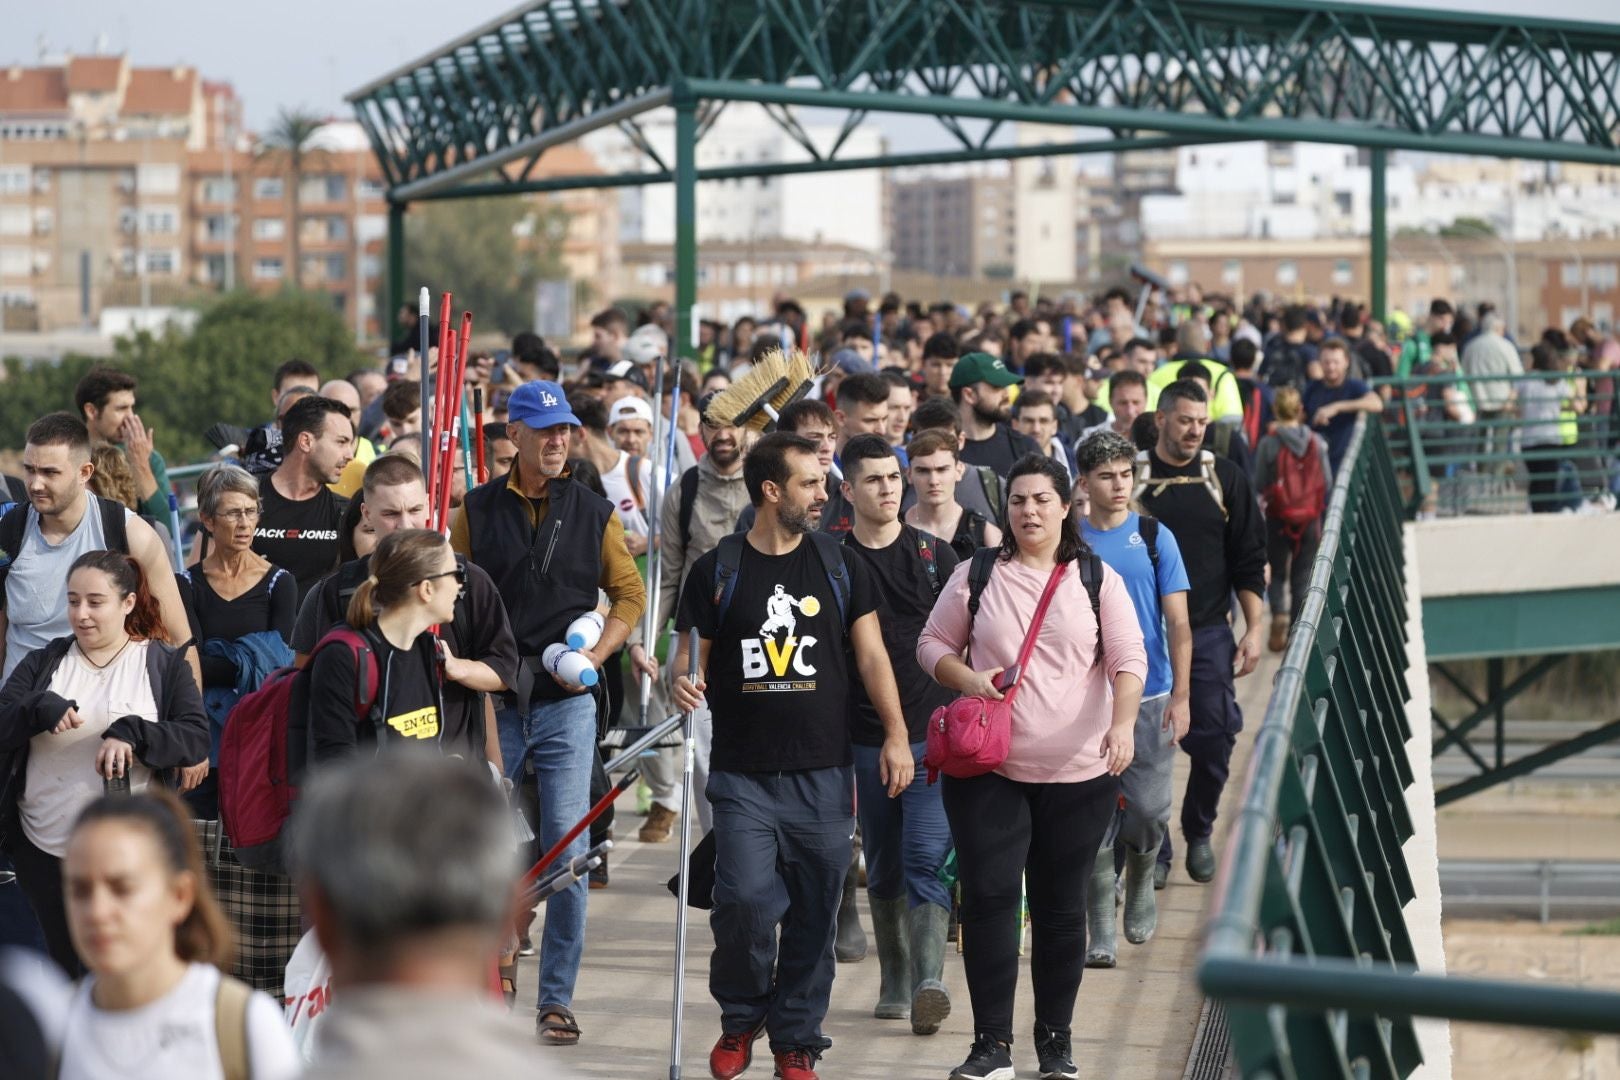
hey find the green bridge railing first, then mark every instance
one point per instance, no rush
(1308, 945)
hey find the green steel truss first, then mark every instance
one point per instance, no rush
(488, 104)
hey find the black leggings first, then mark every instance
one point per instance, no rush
(40, 876)
(1011, 836)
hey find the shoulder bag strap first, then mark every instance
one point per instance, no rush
(1035, 628)
(230, 1027)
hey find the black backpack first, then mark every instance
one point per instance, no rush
(728, 559)
(1091, 576)
(15, 523)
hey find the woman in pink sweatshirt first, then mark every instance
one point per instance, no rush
(1039, 818)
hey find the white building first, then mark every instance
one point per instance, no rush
(1045, 208)
(844, 208)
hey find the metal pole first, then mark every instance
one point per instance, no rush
(685, 222)
(682, 871)
(649, 615)
(396, 268)
(1378, 253)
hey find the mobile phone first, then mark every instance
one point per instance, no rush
(1007, 678)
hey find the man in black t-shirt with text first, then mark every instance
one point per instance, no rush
(298, 527)
(906, 840)
(774, 665)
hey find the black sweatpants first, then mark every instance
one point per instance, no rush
(40, 876)
(1012, 836)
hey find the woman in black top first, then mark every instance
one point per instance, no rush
(413, 586)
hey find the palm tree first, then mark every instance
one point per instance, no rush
(289, 144)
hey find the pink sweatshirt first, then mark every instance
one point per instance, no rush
(1066, 704)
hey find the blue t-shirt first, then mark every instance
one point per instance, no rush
(1339, 429)
(1122, 548)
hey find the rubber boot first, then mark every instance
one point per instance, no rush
(892, 930)
(1279, 633)
(1102, 944)
(850, 945)
(930, 1002)
(1141, 907)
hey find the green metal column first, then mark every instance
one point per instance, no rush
(685, 220)
(396, 268)
(1379, 255)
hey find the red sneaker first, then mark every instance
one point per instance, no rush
(796, 1065)
(733, 1054)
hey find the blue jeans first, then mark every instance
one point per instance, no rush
(558, 738)
(782, 845)
(906, 839)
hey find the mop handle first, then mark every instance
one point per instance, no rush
(584, 823)
(478, 430)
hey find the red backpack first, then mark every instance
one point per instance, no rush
(264, 751)
(1298, 495)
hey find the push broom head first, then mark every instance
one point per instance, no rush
(776, 381)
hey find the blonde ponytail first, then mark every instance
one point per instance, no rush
(361, 614)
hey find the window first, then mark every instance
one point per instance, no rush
(161, 221)
(321, 189)
(158, 179)
(267, 187)
(371, 266)
(269, 228)
(337, 230)
(1459, 276)
(44, 219)
(372, 189)
(1342, 203)
(1287, 273)
(218, 190)
(14, 179)
(15, 221)
(337, 267)
(267, 269)
(215, 227)
(1417, 274)
(1179, 274)
(42, 181)
(1231, 272)
(1604, 275)
(163, 262)
(1569, 275)
(1343, 272)
(213, 269)
(15, 262)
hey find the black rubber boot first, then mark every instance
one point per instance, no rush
(849, 946)
(891, 928)
(1102, 944)
(930, 1003)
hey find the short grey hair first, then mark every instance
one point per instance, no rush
(402, 844)
(1492, 323)
(223, 480)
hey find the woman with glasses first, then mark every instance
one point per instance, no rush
(242, 607)
(413, 587)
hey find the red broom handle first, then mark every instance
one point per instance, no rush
(482, 473)
(584, 823)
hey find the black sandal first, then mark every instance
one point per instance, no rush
(562, 1031)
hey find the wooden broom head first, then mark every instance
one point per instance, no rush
(776, 381)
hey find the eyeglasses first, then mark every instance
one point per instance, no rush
(243, 515)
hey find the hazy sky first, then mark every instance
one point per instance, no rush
(312, 52)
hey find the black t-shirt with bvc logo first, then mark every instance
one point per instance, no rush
(779, 668)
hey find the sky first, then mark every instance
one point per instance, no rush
(311, 52)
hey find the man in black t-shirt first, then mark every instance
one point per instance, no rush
(979, 385)
(777, 639)
(907, 839)
(298, 528)
(1207, 502)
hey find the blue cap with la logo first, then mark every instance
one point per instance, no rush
(540, 405)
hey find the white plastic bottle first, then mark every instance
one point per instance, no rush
(585, 631)
(568, 665)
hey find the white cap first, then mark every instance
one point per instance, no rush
(630, 408)
(646, 345)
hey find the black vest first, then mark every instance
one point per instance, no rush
(547, 576)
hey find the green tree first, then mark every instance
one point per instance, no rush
(290, 147)
(1468, 226)
(490, 253)
(220, 370)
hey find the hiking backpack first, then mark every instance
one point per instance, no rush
(1207, 476)
(1298, 495)
(264, 751)
(728, 559)
(14, 524)
(1091, 576)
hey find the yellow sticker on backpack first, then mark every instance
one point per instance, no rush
(421, 724)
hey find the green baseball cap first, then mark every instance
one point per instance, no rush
(977, 367)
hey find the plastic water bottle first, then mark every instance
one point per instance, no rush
(568, 665)
(585, 631)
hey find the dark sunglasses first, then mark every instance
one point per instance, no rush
(459, 573)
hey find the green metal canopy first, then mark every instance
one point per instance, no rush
(474, 117)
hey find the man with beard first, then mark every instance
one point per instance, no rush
(702, 509)
(782, 777)
(979, 385)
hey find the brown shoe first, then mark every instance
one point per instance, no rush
(660, 822)
(1279, 633)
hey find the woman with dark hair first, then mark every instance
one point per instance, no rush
(413, 586)
(112, 704)
(155, 1003)
(1039, 816)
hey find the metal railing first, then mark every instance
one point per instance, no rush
(1498, 460)
(1308, 946)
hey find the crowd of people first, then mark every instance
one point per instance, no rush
(1100, 514)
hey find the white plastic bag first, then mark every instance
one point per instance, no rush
(308, 993)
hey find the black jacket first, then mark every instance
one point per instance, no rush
(28, 707)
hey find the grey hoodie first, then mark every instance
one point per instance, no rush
(1296, 437)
